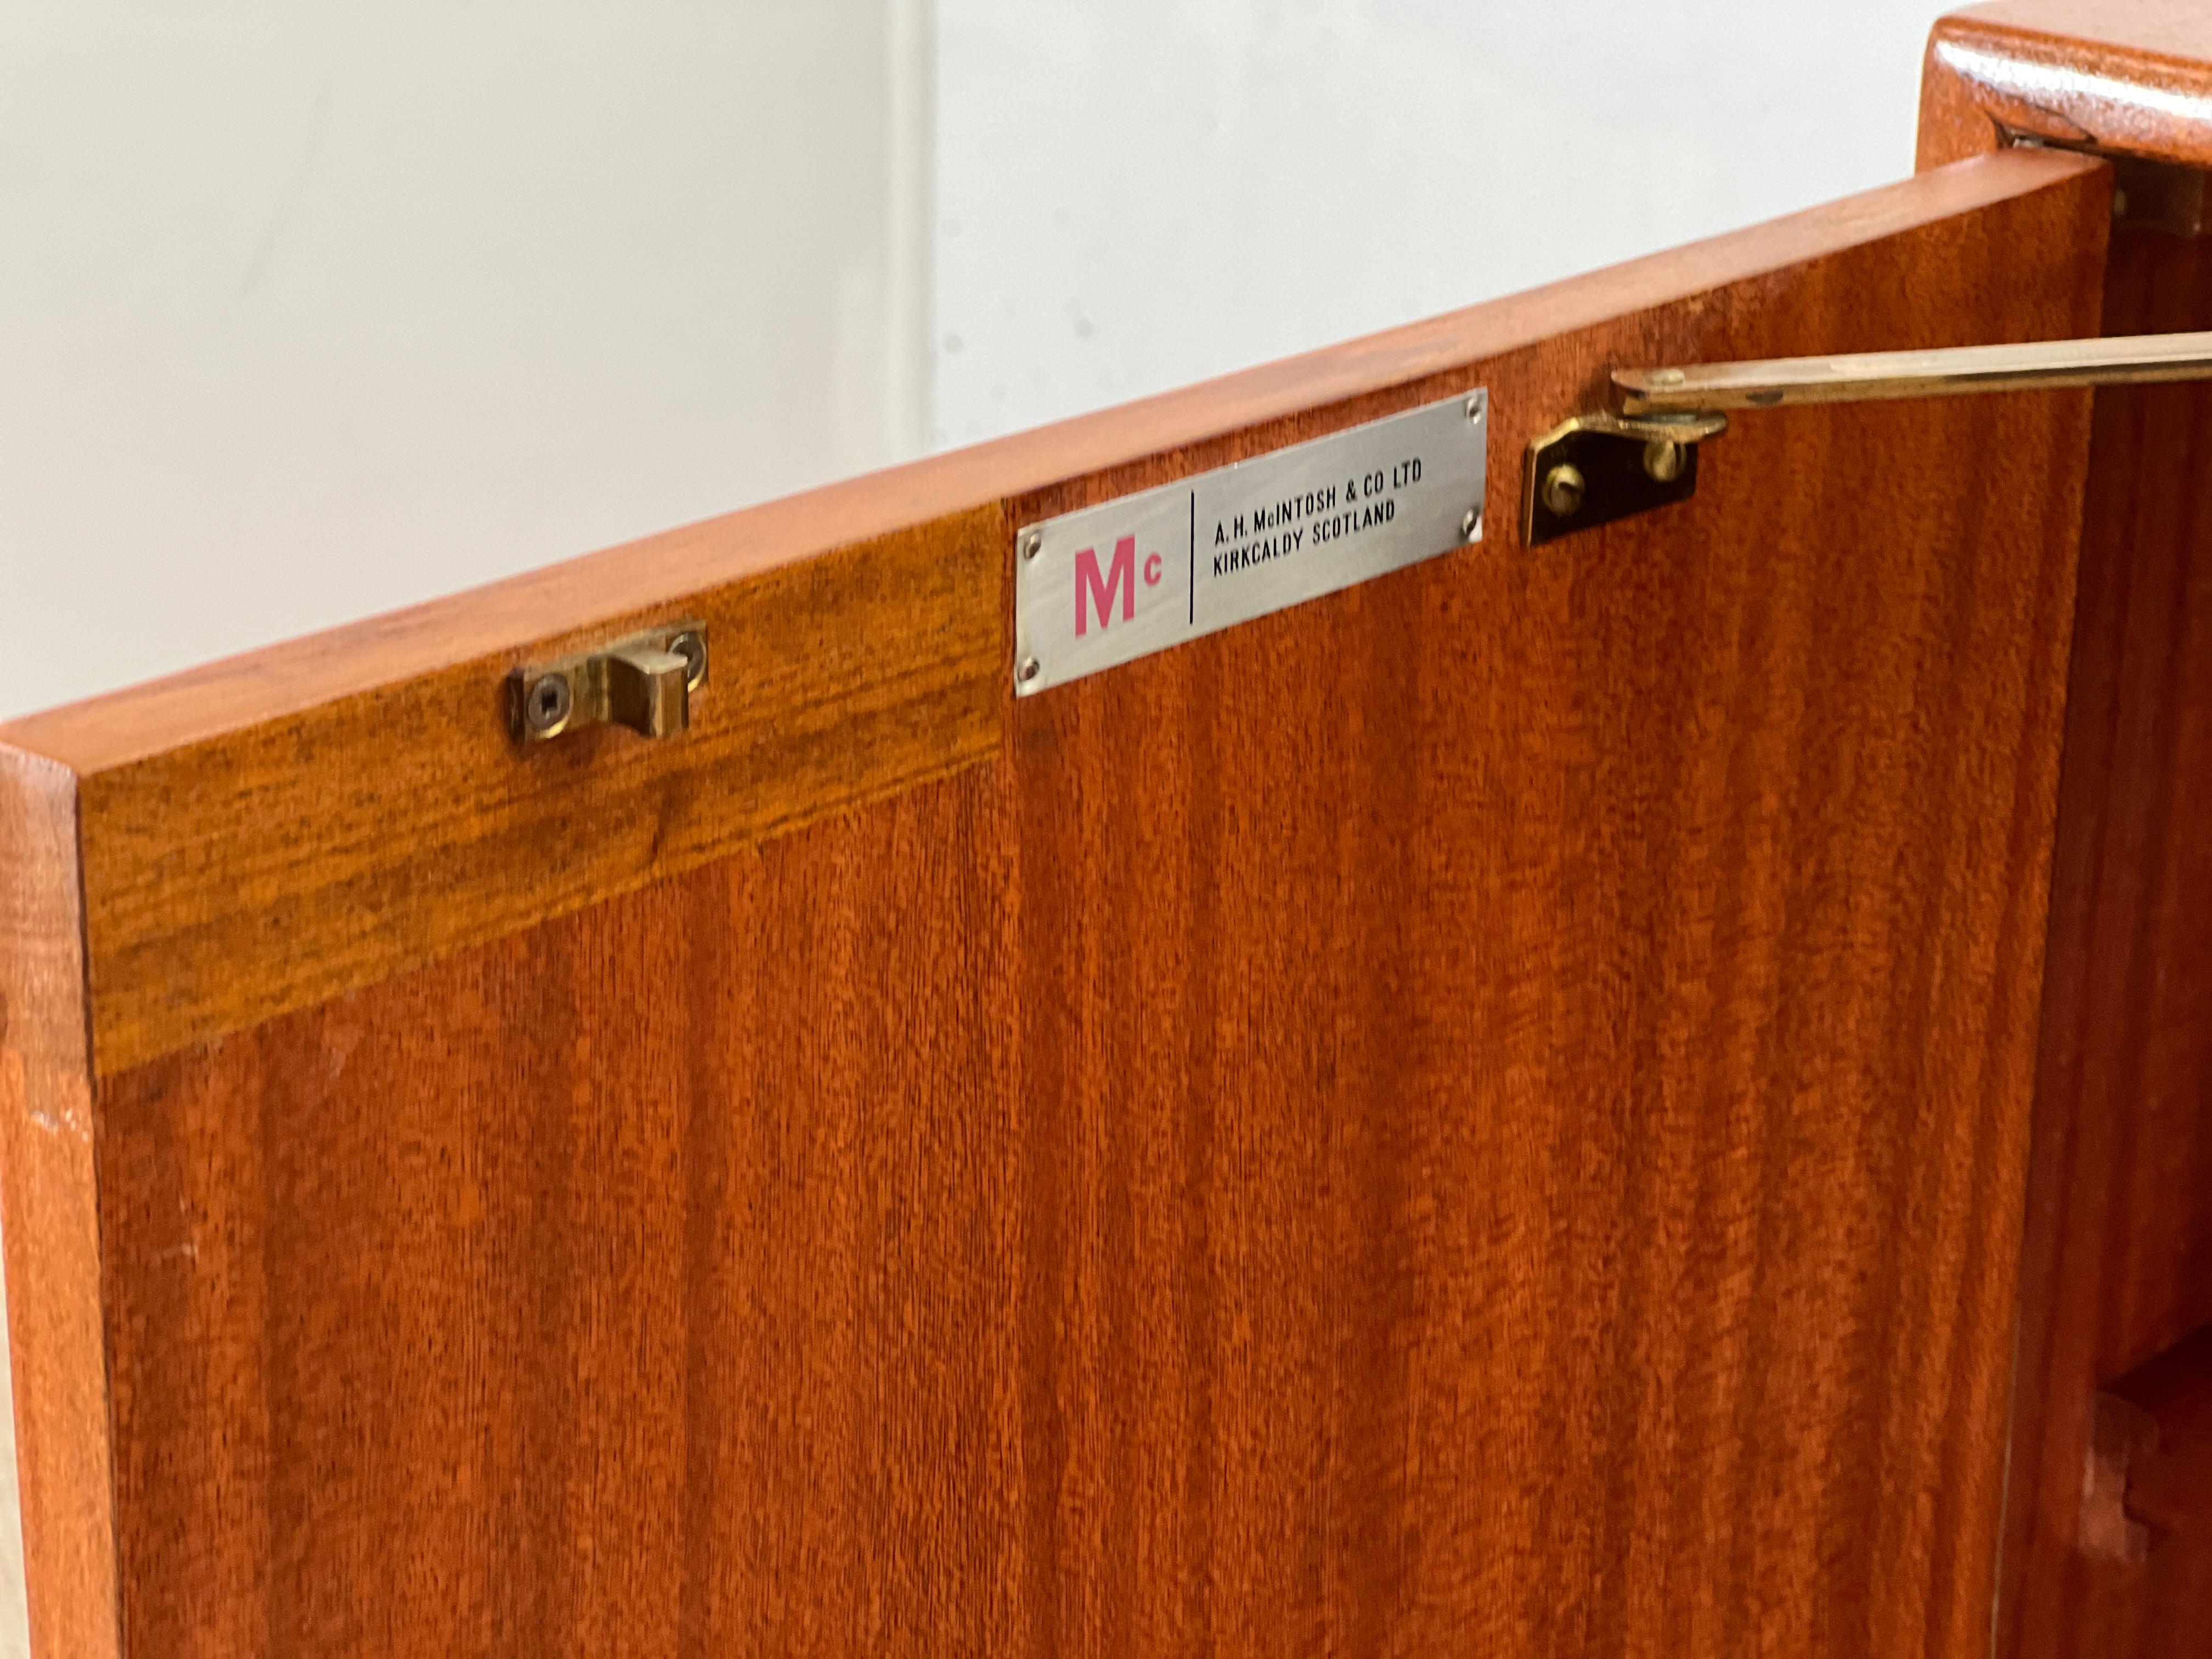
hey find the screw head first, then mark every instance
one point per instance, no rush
(1470, 528)
(692, 647)
(547, 704)
(1563, 489)
(1669, 376)
(1033, 545)
(1477, 406)
(1662, 460)
(1030, 669)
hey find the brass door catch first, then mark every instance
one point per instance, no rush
(1597, 468)
(645, 682)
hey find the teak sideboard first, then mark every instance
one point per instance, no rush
(1637, 1089)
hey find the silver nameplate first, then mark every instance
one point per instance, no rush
(1112, 583)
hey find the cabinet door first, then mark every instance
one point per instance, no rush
(1481, 1112)
(2108, 1547)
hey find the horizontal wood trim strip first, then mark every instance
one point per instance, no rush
(267, 833)
(307, 856)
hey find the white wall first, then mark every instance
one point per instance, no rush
(312, 309)
(1137, 193)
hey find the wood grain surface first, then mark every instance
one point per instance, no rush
(2120, 1262)
(283, 827)
(49, 1220)
(1485, 1113)
(2129, 76)
(2117, 1265)
(311, 853)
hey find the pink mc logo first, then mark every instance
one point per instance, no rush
(1094, 592)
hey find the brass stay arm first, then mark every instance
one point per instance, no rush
(1787, 381)
(1599, 468)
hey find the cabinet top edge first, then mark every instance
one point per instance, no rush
(570, 603)
(2129, 76)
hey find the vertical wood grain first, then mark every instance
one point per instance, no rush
(836, 678)
(56, 1308)
(2118, 1264)
(1487, 1113)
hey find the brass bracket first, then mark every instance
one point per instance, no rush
(1597, 468)
(644, 681)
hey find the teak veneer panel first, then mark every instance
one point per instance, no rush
(302, 857)
(2118, 1259)
(1488, 1111)
(2119, 1243)
(49, 1220)
(282, 827)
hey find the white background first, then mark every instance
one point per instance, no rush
(310, 308)
(1133, 194)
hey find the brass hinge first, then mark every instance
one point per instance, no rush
(645, 682)
(1598, 468)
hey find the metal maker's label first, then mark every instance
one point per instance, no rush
(1121, 581)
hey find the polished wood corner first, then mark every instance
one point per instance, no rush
(2128, 77)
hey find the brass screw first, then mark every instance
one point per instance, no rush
(1563, 489)
(1662, 460)
(693, 649)
(549, 704)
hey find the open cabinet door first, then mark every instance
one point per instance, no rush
(1483, 1112)
(2108, 1553)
